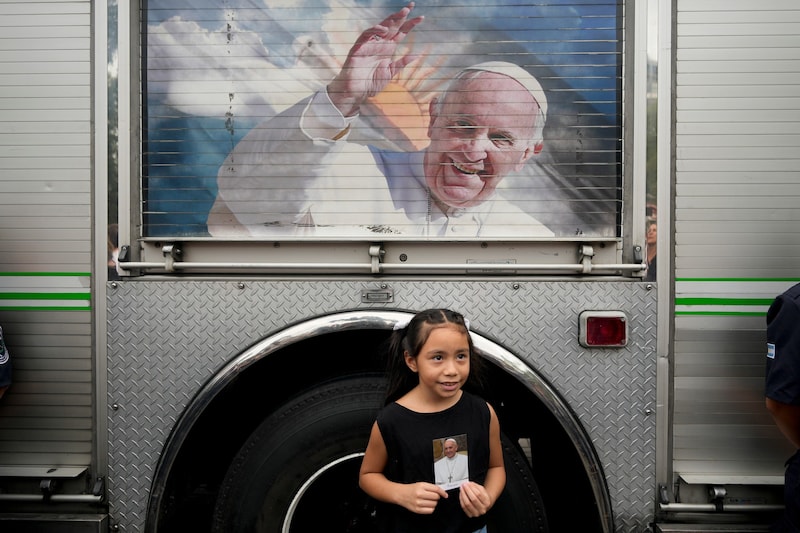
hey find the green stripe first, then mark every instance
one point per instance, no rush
(720, 313)
(38, 301)
(723, 301)
(44, 296)
(42, 308)
(737, 279)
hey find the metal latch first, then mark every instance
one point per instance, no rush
(586, 252)
(172, 252)
(376, 253)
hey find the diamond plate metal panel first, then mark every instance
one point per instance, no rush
(166, 338)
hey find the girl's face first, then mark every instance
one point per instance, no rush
(443, 361)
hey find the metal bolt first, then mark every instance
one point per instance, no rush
(240, 285)
(515, 286)
(114, 406)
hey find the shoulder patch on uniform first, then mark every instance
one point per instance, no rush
(3, 349)
(770, 350)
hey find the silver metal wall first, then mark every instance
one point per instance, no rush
(736, 219)
(46, 418)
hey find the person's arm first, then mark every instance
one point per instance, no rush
(370, 63)
(476, 500)
(420, 498)
(269, 173)
(265, 178)
(787, 418)
(782, 390)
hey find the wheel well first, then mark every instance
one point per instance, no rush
(190, 483)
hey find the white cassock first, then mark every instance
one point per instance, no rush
(288, 176)
(451, 472)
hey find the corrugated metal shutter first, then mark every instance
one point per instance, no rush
(46, 416)
(736, 221)
(213, 71)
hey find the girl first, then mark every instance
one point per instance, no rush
(426, 409)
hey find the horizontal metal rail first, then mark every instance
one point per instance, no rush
(388, 268)
(718, 508)
(55, 498)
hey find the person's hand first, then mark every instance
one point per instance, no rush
(421, 498)
(370, 64)
(474, 499)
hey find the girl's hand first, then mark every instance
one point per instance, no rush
(420, 498)
(474, 499)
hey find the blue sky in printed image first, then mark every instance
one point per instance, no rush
(577, 41)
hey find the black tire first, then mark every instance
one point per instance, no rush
(298, 471)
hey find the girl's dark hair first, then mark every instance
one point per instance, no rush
(411, 339)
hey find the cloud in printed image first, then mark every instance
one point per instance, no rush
(214, 72)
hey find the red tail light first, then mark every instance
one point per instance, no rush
(603, 329)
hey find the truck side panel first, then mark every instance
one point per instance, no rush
(200, 325)
(46, 417)
(736, 239)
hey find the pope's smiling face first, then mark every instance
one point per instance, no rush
(479, 134)
(450, 448)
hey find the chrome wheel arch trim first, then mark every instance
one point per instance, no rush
(375, 319)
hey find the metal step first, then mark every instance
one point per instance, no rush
(53, 523)
(711, 528)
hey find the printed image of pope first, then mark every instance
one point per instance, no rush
(452, 469)
(339, 119)
(298, 173)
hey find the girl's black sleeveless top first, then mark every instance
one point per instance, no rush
(413, 441)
